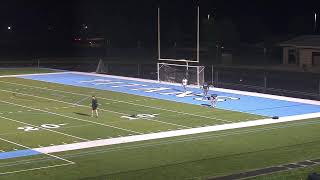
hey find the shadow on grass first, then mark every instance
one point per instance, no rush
(206, 105)
(81, 114)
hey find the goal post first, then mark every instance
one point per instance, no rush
(174, 73)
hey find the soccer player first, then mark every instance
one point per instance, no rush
(213, 100)
(184, 84)
(94, 105)
(205, 88)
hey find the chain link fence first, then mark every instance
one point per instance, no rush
(295, 84)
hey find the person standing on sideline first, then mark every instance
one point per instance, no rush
(94, 105)
(184, 83)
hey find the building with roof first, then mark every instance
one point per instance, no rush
(303, 51)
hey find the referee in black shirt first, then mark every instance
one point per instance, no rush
(94, 105)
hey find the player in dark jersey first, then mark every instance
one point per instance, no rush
(94, 105)
(205, 89)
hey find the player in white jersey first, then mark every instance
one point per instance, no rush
(184, 84)
(213, 100)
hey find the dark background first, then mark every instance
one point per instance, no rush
(49, 28)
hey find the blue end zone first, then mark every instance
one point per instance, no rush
(19, 153)
(247, 104)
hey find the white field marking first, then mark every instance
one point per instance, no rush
(26, 147)
(132, 84)
(153, 144)
(106, 83)
(167, 134)
(9, 133)
(43, 128)
(35, 74)
(33, 169)
(70, 117)
(76, 126)
(269, 96)
(88, 106)
(120, 101)
(95, 80)
(71, 104)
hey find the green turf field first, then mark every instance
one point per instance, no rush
(15, 71)
(28, 108)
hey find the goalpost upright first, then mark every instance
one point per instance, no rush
(198, 39)
(177, 62)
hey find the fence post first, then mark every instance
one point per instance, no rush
(211, 74)
(216, 78)
(139, 70)
(38, 63)
(319, 88)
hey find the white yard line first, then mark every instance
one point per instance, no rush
(70, 117)
(33, 169)
(160, 135)
(26, 147)
(126, 102)
(69, 135)
(89, 106)
(166, 142)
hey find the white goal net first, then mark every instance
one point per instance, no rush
(174, 73)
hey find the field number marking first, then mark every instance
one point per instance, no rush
(47, 126)
(140, 116)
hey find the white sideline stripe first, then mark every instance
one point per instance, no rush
(43, 128)
(35, 74)
(88, 106)
(255, 94)
(32, 169)
(70, 117)
(17, 144)
(152, 107)
(160, 135)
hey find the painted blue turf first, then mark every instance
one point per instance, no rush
(248, 104)
(18, 153)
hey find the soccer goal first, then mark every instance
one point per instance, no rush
(174, 73)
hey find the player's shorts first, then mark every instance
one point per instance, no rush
(94, 108)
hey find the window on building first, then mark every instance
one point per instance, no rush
(315, 58)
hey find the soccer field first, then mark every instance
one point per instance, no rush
(47, 132)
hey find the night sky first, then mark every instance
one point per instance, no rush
(125, 21)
